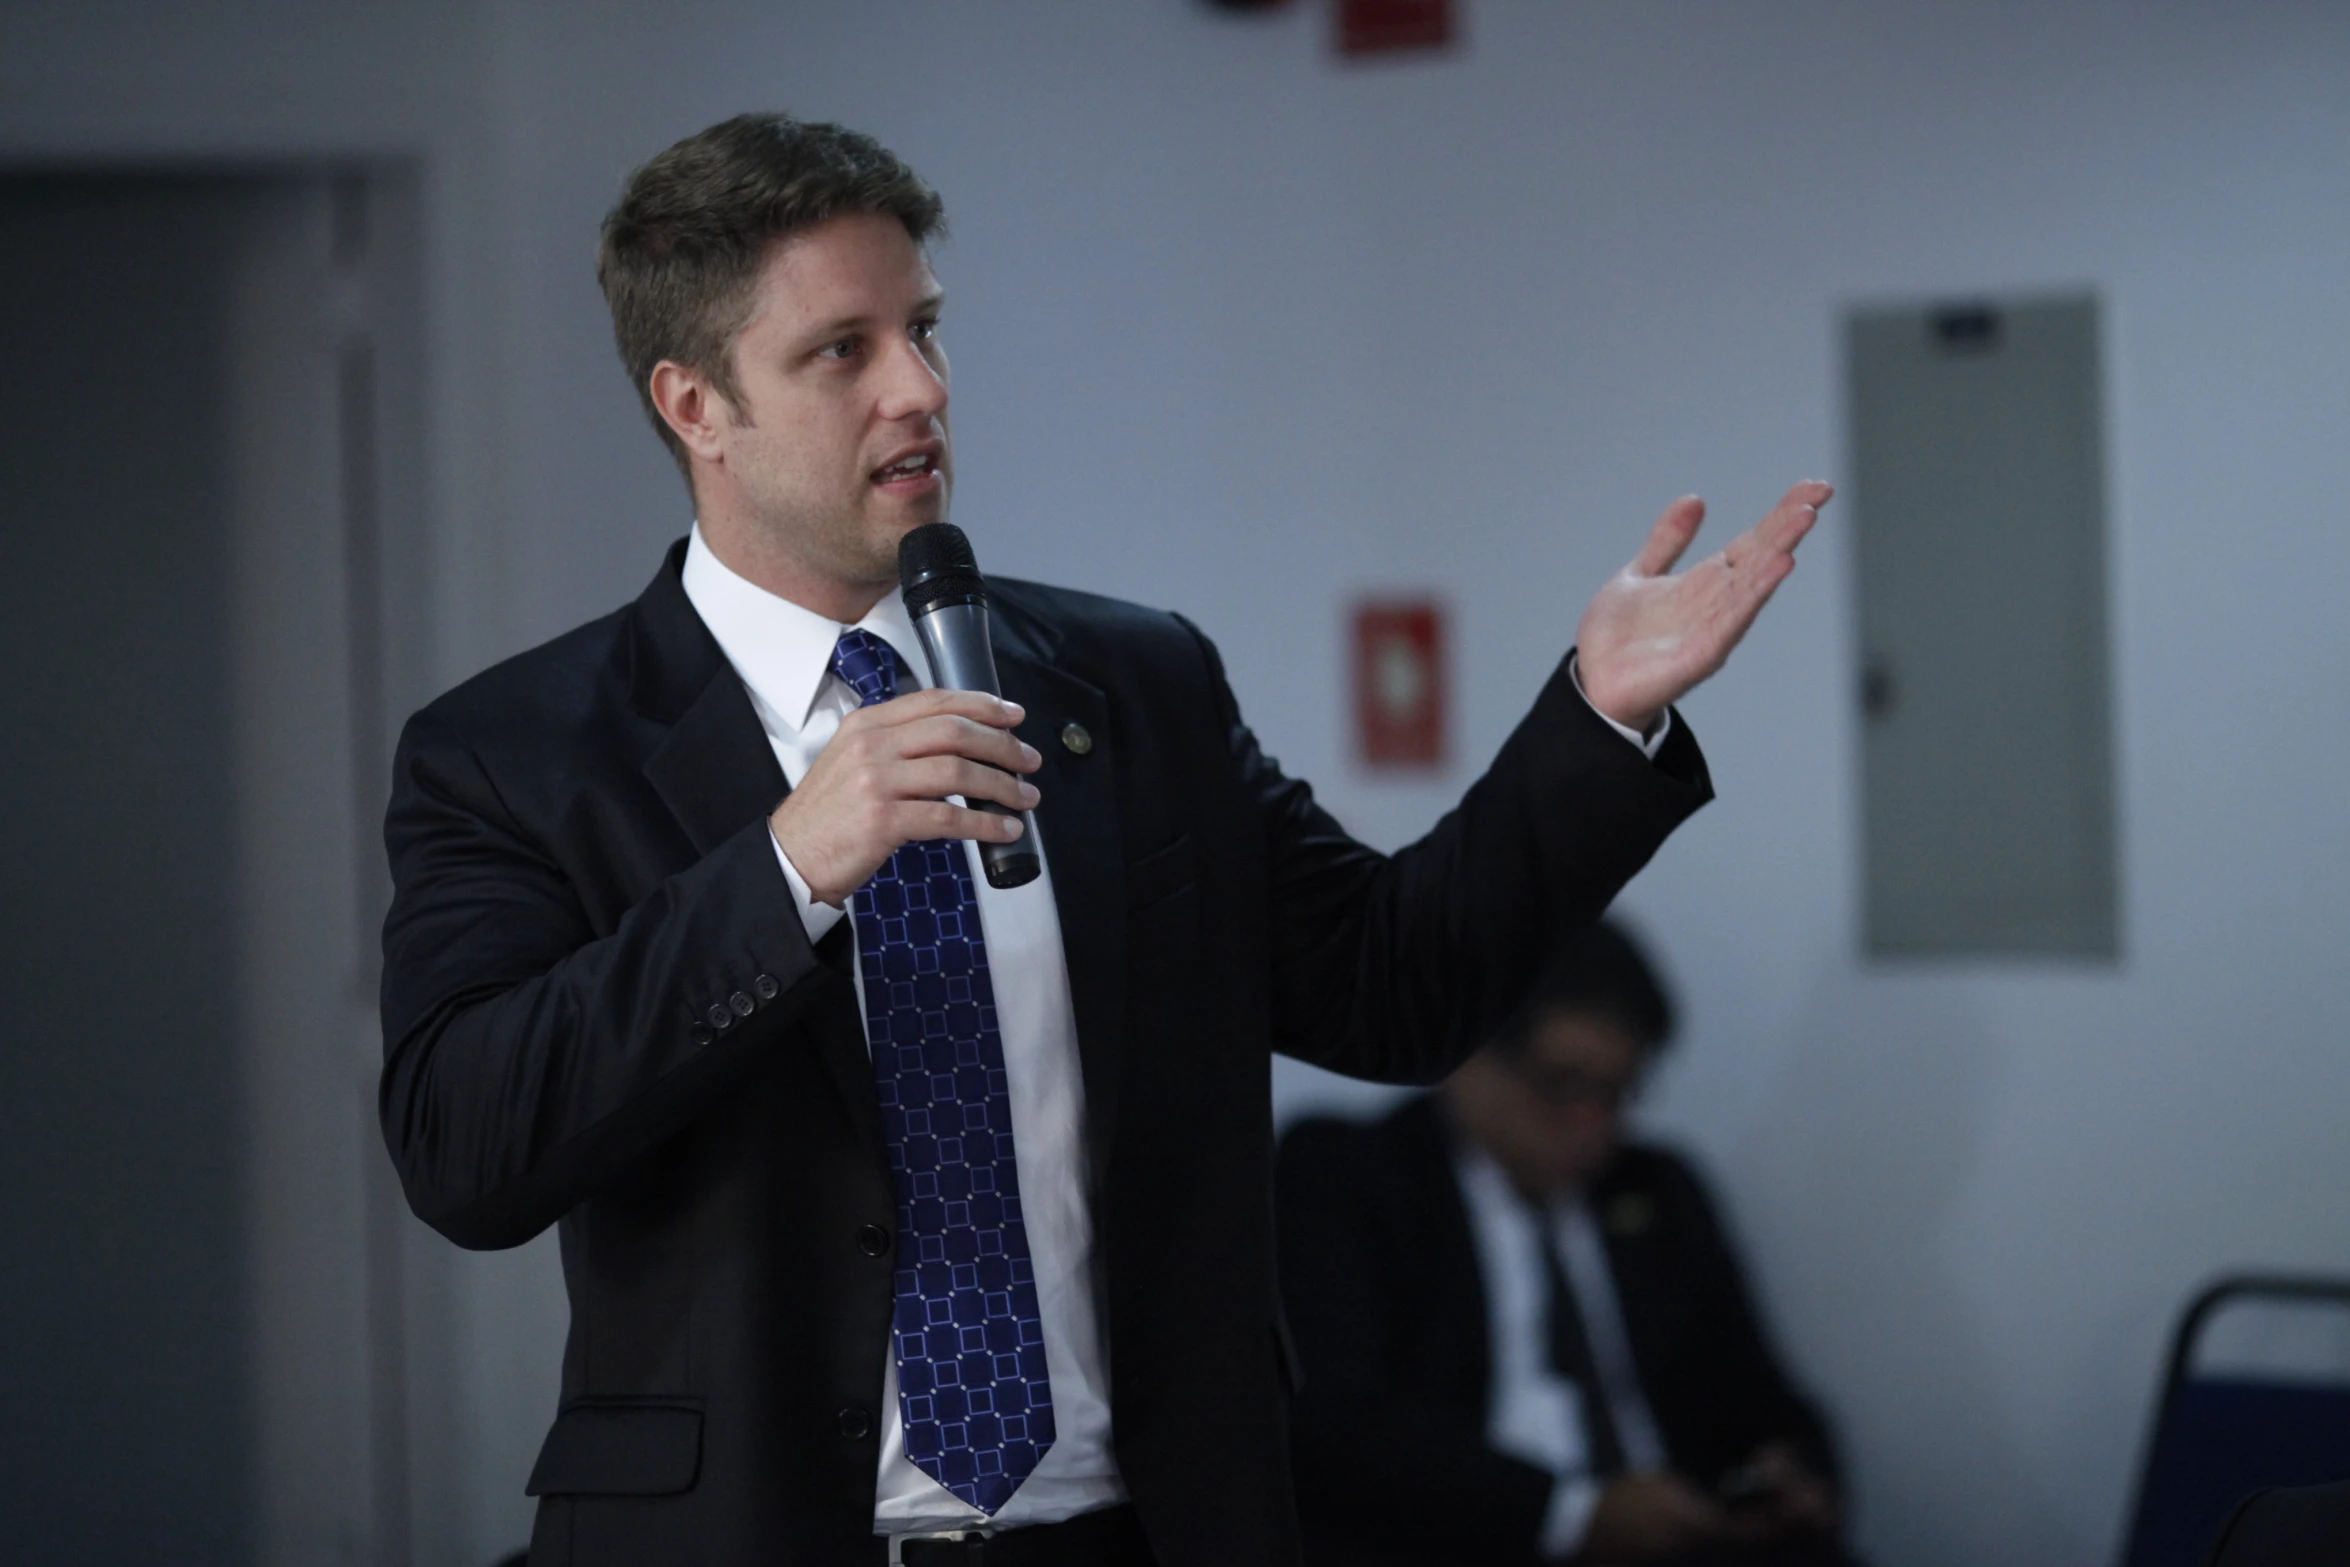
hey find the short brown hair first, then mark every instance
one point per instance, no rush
(681, 250)
(1599, 970)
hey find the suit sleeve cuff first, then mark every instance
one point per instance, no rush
(817, 919)
(1649, 744)
(1572, 1502)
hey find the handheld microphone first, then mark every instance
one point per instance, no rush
(947, 599)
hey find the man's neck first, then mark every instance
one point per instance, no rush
(787, 576)
(1538, 1196)
(1463, 1130)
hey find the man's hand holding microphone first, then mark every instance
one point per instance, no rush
(888, 774)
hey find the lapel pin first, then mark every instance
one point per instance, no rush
(1630, 1214)
(1075, 738)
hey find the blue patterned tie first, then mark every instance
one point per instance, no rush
(972, 1390)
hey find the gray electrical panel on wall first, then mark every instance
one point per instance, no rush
(1978, 485)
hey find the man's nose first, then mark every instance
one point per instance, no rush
(912, 387)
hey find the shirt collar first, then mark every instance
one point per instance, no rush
(1488, 1185)
(781, 650)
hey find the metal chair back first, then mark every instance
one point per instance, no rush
(2280, 1416)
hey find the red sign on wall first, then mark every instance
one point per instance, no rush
(1390, 26)
(1399, 683)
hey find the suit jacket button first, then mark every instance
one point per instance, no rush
(742, 1004)
(702, 1036)
(720, 1018)
(1074, 737)
(766, 987)
(854, 1423)
(873, 1241)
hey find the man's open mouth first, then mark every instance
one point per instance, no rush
(913, 466)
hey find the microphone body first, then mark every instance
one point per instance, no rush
(947, 599)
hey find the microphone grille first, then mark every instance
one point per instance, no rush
(935, 564)
(932, 550)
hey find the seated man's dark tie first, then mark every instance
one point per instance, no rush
(1570, 1357)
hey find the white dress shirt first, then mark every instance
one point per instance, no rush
(1536, 1414)
(783, 653)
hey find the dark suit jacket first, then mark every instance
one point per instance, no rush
(586, 896)
(1381, 1277)
(2307, 1526)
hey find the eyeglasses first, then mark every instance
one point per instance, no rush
(1568, 1088)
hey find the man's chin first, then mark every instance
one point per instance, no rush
(886, 533)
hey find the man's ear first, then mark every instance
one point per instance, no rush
(691, 407)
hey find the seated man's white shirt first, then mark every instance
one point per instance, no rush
(1535, 1414)
(783, 654)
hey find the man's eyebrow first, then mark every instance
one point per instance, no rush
(839, 326)
(928, 304)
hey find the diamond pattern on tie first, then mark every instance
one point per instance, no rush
(973, 1395)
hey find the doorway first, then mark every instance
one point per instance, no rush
(209, 456)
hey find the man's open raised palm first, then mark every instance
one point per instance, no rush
(1649, 637)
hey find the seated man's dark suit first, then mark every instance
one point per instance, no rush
(2306, 1526)
(601, 1011)
(1379, 1268)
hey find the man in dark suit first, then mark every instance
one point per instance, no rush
(905, 1217)
(2305, 1526)
(1526, 1338)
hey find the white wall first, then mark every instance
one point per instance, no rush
(1244, 332)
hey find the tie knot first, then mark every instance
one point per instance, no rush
(868, 665)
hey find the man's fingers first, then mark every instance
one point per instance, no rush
(1765, 575)
(926, 819)
(914, 706)
(951, 734)
(1694, 1513)
(935, 777)
(1746, 590)
(1669, 537)
(1783, 527)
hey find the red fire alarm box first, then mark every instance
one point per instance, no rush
(1399, 683)
(1368, 27)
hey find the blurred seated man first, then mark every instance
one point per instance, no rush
(1526, 1339)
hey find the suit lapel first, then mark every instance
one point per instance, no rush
(1423, 1160)
(715, 769)
(717, 773)
(1078, 823)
